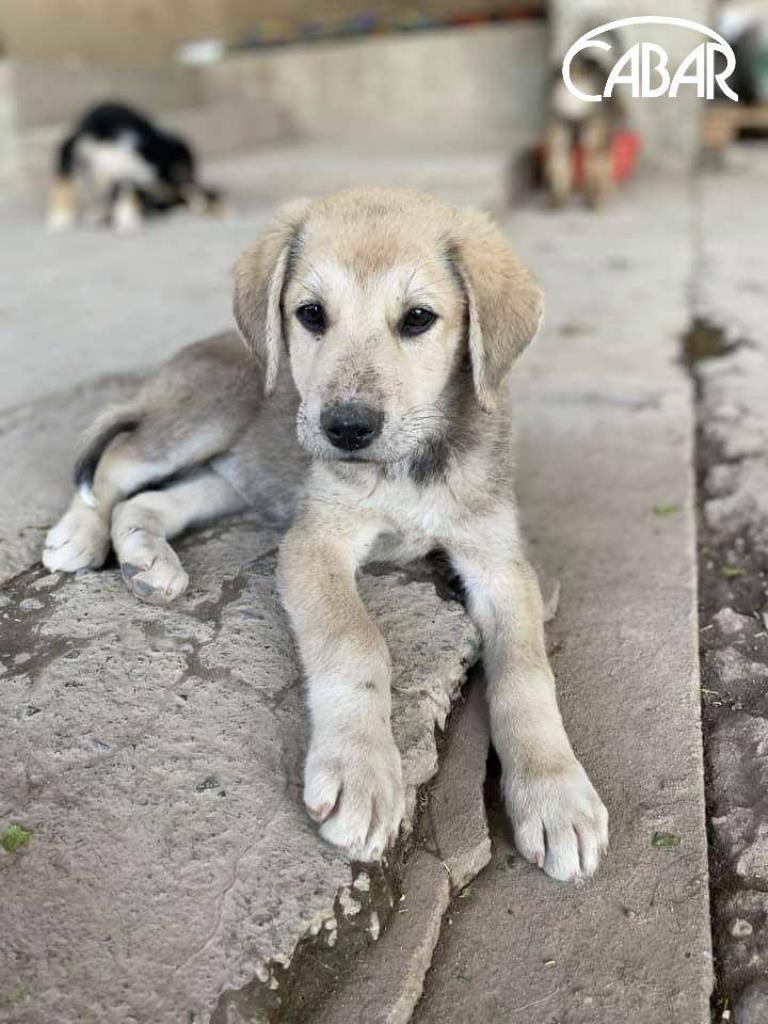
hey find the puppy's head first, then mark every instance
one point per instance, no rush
(388, 304)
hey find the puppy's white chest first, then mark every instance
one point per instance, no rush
(109, 162)
(420, 517)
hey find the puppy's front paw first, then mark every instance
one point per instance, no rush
(560, 822)
(354, 786)
(80, 540)
(59, 219)
(126, 216)
(151, 568)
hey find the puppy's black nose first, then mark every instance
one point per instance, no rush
(351, 426)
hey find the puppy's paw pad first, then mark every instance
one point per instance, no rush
(80, 540)
(356, 789)
(559, 821)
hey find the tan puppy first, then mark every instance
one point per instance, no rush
(381, 327)
(590, 126)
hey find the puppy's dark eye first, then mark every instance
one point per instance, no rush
(312, 316)
(416, 321)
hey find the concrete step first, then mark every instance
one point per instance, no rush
(607, 489)
(117, 777)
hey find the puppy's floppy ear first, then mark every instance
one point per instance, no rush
(504, 304)
(260, 275)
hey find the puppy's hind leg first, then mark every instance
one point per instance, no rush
(204, 201)
(558, 167)
(126, 212)
(110, 467)
(117, 458)
(595, 139)
(62, 202)
(142, 526)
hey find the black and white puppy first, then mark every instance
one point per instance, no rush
(133, 167)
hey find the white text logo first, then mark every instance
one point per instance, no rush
(645, 66)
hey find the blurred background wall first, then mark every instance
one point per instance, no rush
(457, 83)
(124, 30)
(444, 86)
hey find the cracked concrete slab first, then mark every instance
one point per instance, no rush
(155, 758)
(149, 708)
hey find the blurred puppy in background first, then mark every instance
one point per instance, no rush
(587, 128)
(129, 166)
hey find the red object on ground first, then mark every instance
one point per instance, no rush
(625, 147)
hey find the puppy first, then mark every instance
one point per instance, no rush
(370, 410)
(135, 169)
(589, 126)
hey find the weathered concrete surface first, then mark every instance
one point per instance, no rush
(730, 295)
(738, 748)
(730, 301)
(752, 1007)
(111, 305)
(156, 758)
(606, 484)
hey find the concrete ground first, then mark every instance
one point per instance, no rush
(606, 482)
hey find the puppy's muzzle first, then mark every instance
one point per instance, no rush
(351, 426)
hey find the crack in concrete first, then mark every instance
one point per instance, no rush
(731, 599)
(291, 993)
(222, 898)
